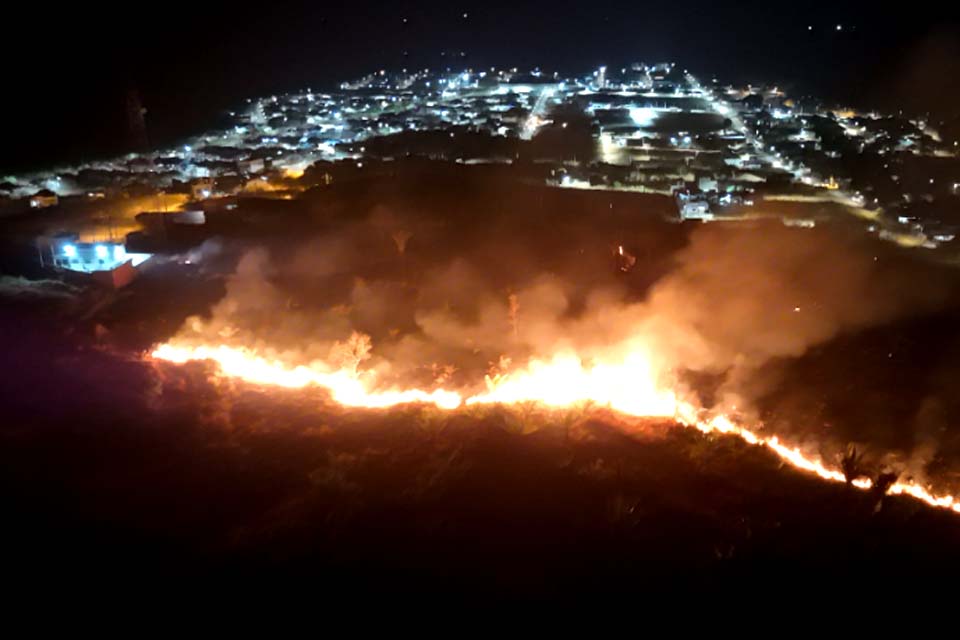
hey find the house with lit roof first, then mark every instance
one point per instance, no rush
(107, 263)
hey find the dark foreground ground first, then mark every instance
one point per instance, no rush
(142, 477)
(108, 476)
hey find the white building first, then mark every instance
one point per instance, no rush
(693, 206)
(251, 165)
(108, 263)
(706, 183)
(695, 210)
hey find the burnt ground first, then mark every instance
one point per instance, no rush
(147, 477)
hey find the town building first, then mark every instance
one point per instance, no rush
(106, 263)
(43, 199)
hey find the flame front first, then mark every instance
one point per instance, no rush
(628, 386)
(345, 388)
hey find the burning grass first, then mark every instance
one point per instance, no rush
(419, 383)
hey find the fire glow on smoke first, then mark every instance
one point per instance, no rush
(629, 385)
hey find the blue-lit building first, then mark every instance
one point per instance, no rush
(107, 262)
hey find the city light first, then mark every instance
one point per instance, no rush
(555, 218)
(643, 116)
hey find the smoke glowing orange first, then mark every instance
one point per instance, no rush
(629, 386)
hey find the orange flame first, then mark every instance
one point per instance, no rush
(629, 386)
(344, 387)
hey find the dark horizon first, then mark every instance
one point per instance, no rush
(190, 63)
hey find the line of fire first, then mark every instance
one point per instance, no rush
(692, 323)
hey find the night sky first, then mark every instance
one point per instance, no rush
(67, 83)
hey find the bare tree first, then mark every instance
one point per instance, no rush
(851, 463)
(349, 355)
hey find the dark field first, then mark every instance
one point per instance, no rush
(148, 475)
(693, 123)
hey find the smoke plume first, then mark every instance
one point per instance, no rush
(415, 301)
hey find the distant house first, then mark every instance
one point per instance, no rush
(173, 226)
(201, 189)
(663, 86)
(693, 206)
(695, 210)
(106, 263)
(43, 199)
(752, 102)
(514, 115)
(251, 165)
(707, 183)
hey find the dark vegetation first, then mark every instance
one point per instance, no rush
(153, 477)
